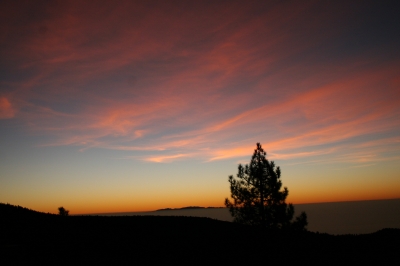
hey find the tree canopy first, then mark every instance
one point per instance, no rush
(258, 198)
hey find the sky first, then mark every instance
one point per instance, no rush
(118, 106)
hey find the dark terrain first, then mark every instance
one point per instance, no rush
(32, 237)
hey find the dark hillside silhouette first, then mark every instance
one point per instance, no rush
(9, 210)
(38, 238)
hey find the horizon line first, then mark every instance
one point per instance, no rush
(221, 207)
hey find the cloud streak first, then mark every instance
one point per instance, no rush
(135, 78)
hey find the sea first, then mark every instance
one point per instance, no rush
(337, 218)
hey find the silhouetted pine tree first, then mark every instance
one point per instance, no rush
(258, 198)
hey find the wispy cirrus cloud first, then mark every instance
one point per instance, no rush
(139, 79)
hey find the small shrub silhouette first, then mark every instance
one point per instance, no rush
(62, 211)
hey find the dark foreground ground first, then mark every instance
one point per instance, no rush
(35, 238)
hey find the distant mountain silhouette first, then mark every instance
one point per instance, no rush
(188, 208)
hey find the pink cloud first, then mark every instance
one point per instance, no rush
(323, 123)
(215, 84)
(6, 109)
(168, 158)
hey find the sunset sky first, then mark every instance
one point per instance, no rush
(117, 106)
